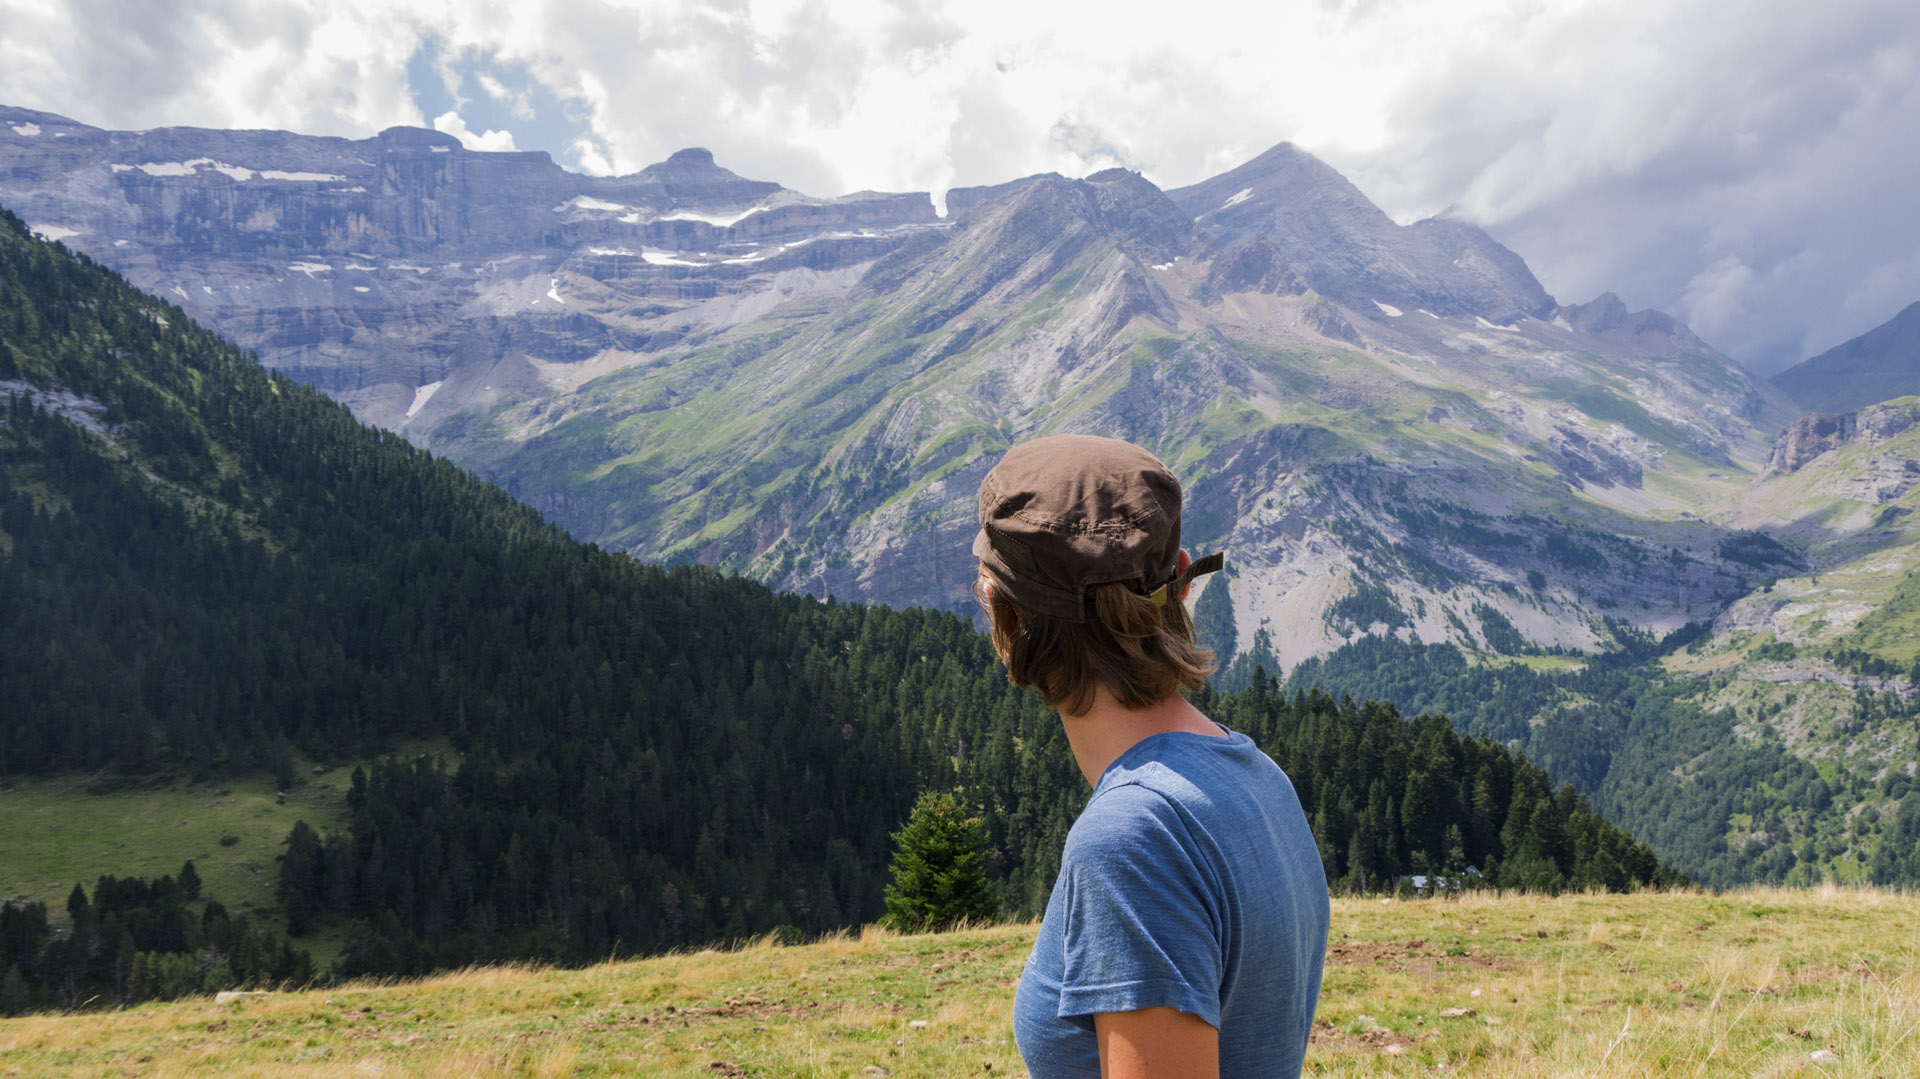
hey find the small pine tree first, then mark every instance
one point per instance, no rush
(189, 880)
(13, 992)
(939, 868)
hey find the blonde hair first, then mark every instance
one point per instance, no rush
(1140, 652)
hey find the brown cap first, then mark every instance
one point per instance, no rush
(1063, 513)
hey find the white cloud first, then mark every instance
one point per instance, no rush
(1632, 145)
(450, 123)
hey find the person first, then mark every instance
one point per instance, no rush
(1186, 930)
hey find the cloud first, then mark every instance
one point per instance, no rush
(451, 123)
(1642, 146)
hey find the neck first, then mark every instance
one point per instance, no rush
(1106, 730)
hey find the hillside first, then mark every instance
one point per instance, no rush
(1764, 982)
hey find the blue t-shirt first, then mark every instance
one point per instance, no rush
(1191, 880)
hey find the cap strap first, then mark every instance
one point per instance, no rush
(1199, 567)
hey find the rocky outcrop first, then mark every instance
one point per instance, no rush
(1816, 433)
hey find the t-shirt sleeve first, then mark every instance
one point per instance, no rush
(1141, 929)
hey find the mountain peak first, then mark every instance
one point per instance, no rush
(418, 136)
(692, 157)
(1653, 332)
(1349, 251)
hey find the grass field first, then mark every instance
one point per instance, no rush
(1768, 983)
(59, 830)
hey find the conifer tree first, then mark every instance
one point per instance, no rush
(939, 868)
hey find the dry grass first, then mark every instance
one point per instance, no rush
(1764, 983)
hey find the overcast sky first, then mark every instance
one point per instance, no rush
(1747, 165)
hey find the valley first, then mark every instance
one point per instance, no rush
(1578, 530)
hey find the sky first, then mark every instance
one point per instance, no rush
(1746, 165)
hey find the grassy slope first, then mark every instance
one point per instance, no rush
(1746, 984)
(60, 829)
(77, 828)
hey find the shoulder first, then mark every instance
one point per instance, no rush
(1131, 828)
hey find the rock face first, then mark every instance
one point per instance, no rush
(1817, 433)
(688, 364)
(1878, 365)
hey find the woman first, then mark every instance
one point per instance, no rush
(1186, 930)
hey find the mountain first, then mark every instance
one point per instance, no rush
(1417, 460)
(1381, 420)
(1880, 364)
(204, 565)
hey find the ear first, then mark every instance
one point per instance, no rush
(1185, 561)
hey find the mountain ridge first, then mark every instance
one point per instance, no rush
(804, 389)
(1880, 364)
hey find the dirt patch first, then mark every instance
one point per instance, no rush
(1412, 956)
(741, 1008)
(1372, 1040)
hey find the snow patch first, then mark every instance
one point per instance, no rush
(1166, 265)
(1239, 197)
(27, 130)
(443, 149)
(664, 258)
(610, 251)
(719, 221)
(1494, 325)
(119, 243)
(181, 291)
(410, 267)
(1388, 309)
(303, 177)
(50, 233)
(161, 168)
(422, 395)
(237, 172)
(208, 289)
(359, 266)
(553, 291)
(310, 268)
(1428, 313)
(361, 288)
(583, 202)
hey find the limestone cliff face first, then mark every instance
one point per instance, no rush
(1818, 432)
(380, 267)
